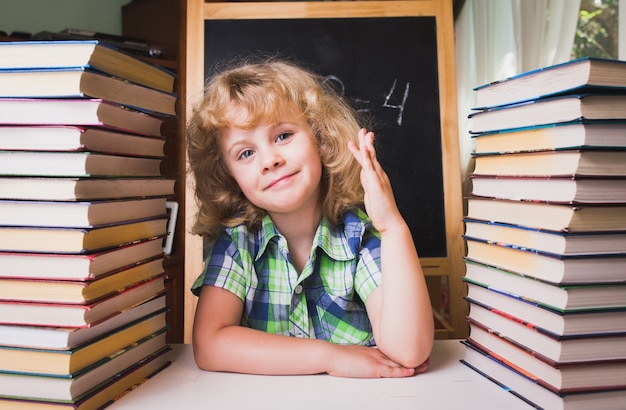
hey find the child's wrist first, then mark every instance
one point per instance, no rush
(395, 227)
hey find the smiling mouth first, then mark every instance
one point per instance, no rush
(279, 181)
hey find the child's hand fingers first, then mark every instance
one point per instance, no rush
(358, 150)
(364, 153)
(367, 148)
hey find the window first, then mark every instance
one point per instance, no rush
(597, 30)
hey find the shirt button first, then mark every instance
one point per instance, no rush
(299, 289)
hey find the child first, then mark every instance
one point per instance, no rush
(298, 279)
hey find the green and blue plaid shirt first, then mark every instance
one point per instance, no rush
(325, 301)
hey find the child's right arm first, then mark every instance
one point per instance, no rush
(221, 344)
(399, 308)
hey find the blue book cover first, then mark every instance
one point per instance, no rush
(576, 76)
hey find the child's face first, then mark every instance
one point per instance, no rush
(277, 166)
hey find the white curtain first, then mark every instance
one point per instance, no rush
(496, 39)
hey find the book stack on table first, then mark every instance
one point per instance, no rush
(546, 235)
(83, 218)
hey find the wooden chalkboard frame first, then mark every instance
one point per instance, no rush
(192, 78)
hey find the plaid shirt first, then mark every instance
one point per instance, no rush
(325, 301)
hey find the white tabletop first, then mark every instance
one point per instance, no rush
(448, 384)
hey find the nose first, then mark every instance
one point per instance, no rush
(271, 159)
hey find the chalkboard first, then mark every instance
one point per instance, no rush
(387, 67)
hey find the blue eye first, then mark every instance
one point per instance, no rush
(284, 136)
(245, 154)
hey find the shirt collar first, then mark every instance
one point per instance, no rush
(341, 243)
(266, 232)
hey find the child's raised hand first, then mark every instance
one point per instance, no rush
(379, 201)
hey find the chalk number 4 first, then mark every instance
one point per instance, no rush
(399, 107)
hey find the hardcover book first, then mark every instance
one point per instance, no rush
(76, 164)
(86, 188)
(565, 190)
(584, 74)
(539, 112)
(75, 315)
(549, 216)
(83, 112)
(81, 82)
(565, 135)
(134, 46)
(68, 138)
(76, 267)
(563, 163)
(87, 53)
(78, 240)
(79, 214)
(560, 243)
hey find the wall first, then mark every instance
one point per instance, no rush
(55, 15)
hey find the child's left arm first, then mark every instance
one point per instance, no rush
(400, 309)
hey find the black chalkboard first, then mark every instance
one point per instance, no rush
(388, 68)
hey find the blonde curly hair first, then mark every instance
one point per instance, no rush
(263, 92)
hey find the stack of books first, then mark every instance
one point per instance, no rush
(83, 216)
(546, 235)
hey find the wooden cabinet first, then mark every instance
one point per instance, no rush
(179, 26)
(159, 22)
